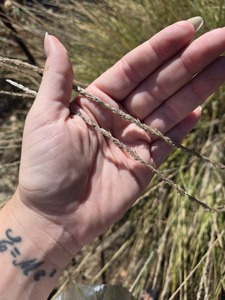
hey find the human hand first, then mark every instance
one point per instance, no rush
(78, 179)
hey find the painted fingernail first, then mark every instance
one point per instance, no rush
(46, 47)
(197, 22)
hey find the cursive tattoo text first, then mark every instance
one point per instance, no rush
(29, 267)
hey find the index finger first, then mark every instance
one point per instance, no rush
(121, 79)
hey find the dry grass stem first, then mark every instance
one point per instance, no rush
(22, 95)
(146, 128)
(21, 64)
(111, 261)
(22, 87)
(10, 165)
(133, 153)
(203, 286)
(143, 270)
(197, 266)
(79, 87)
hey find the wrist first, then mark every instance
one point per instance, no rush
(49, 238)
(33, 252)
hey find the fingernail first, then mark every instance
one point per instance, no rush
(46, 45)
(197, 22)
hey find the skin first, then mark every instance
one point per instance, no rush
(73, 181)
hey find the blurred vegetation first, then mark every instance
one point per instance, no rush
(164, 244)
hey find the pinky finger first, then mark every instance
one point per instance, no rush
(160, 149)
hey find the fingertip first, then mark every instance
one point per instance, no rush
(52, 46)
(161, 149)
(196, 114)
(57, 81)
(58, 61)
(46, 44)
(197, 22)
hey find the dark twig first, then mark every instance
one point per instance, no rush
(16, 37)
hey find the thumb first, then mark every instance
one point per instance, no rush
(56, 87)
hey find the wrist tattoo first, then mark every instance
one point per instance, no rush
(29, 267)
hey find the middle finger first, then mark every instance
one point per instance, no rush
(174, 74)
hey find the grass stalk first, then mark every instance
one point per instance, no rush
(197, 266)
(133, 153)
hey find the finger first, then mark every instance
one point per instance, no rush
(56, 87)
(179, 106)
(170, 77)
(160, 149)
(133, 68)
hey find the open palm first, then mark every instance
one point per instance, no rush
(82, 180)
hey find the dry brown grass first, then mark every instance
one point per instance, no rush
(164, 242)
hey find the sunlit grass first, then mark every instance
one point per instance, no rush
(164, 243)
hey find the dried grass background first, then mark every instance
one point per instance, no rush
(165, 243)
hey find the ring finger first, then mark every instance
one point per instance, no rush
(193, 94)
(173, 75)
